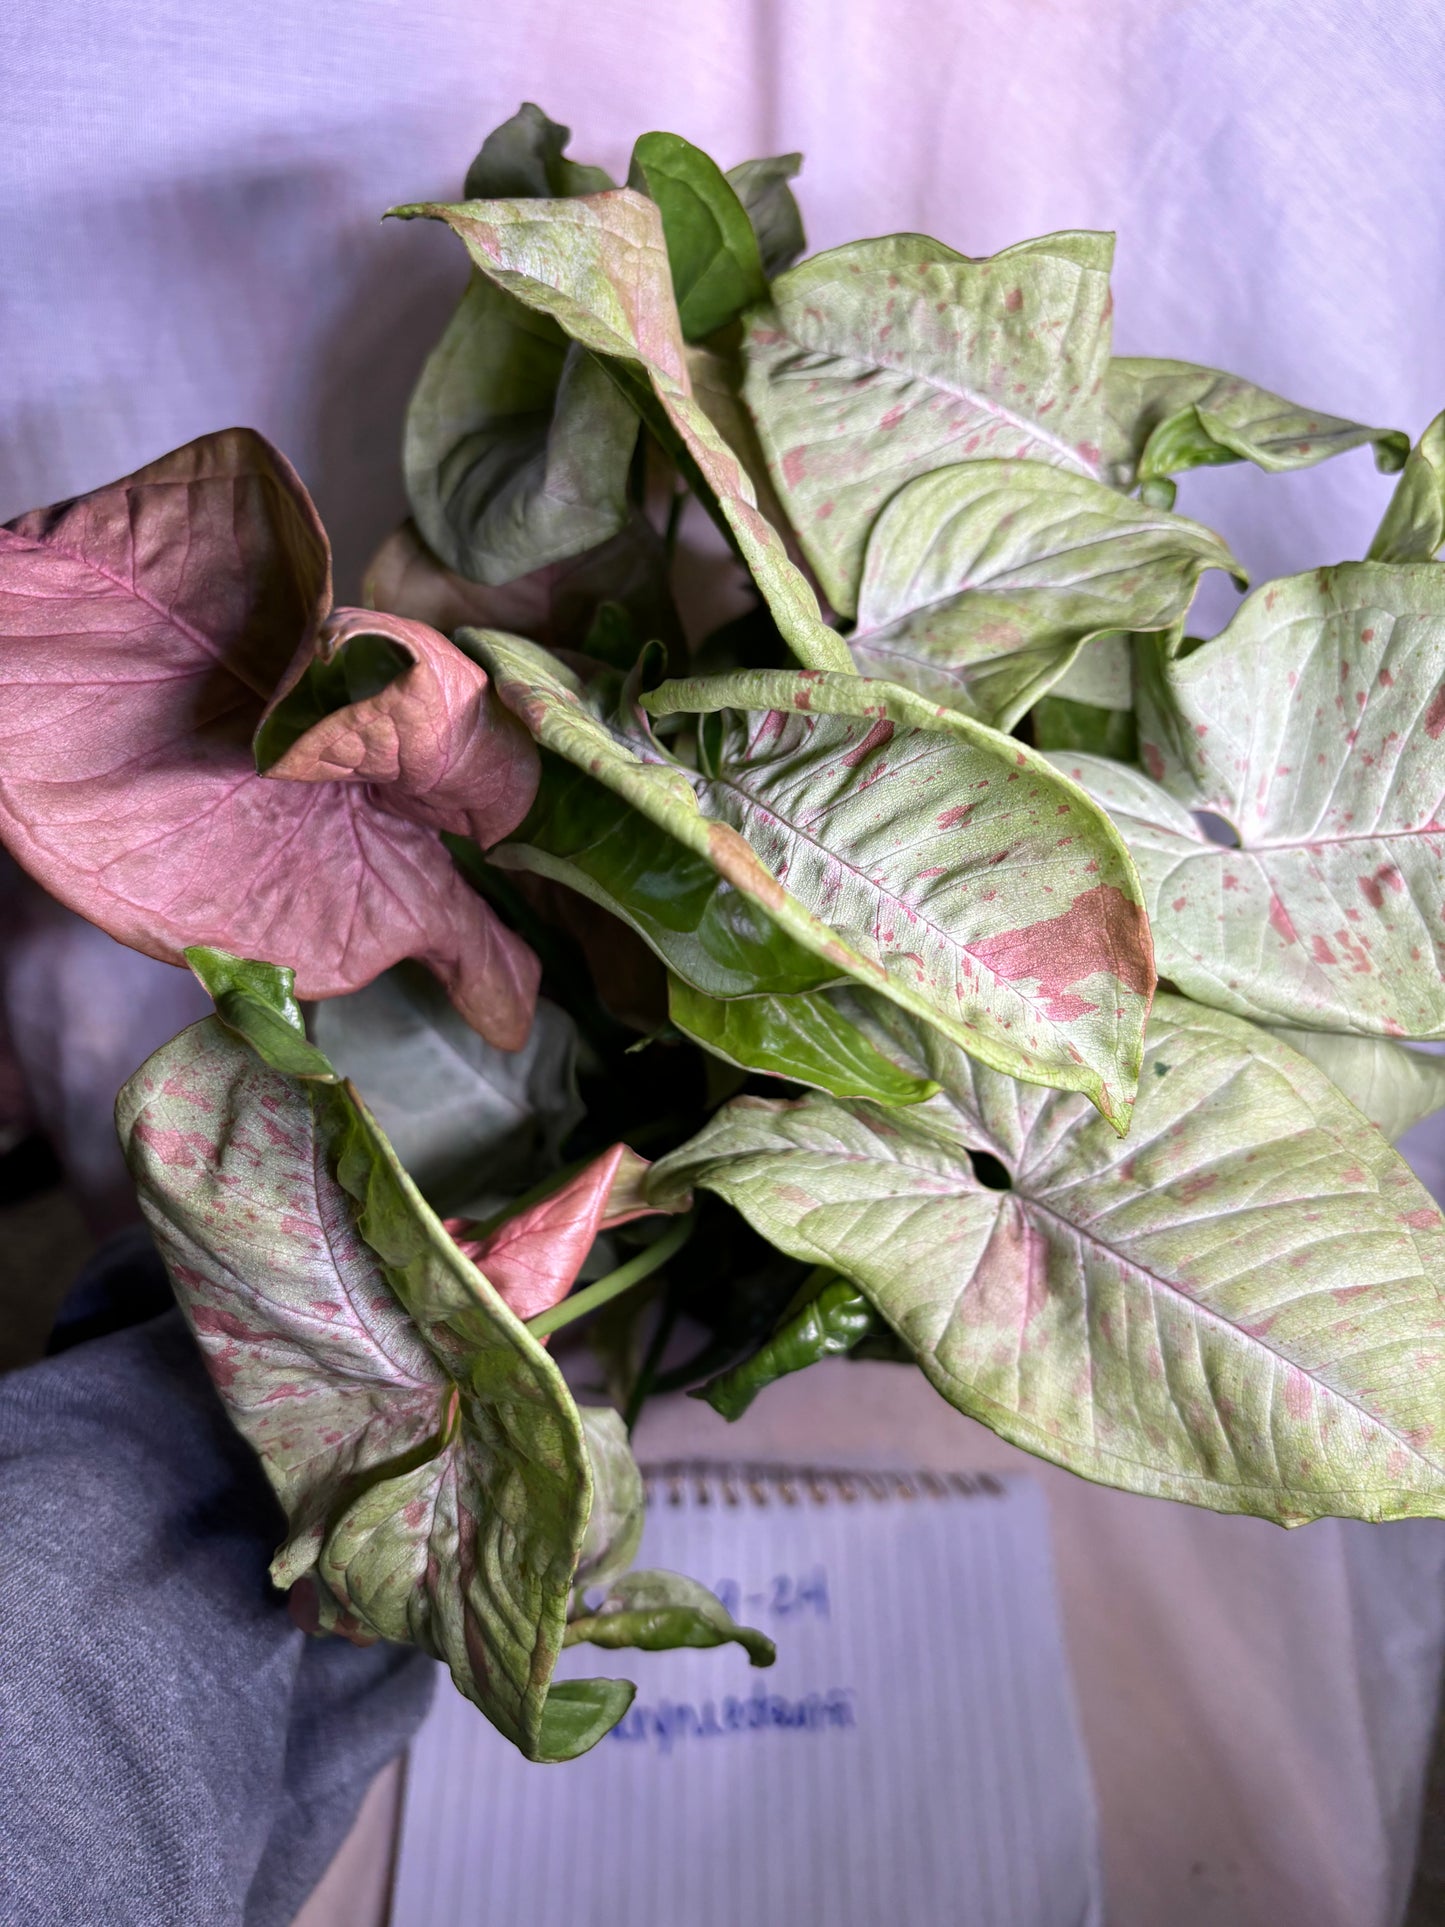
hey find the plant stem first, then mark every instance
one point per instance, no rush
(615, 1283)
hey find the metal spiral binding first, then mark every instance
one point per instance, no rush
(704, 1483)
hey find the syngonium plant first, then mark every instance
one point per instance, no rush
(848, 912)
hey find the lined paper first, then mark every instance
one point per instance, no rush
(913, 1758)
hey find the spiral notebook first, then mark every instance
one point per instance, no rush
(912, 1759)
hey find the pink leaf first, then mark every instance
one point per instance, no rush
(143, 630)
(533, 1259)
(439, 746)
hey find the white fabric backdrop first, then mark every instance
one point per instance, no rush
(189, 237)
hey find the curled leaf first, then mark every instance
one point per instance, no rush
(143, 630)
(1413, 527)
(258, 1002)
(1168, 416)
(659, 1611)
(832, 1318)
(427, 1455)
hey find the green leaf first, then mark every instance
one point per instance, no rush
(614, 1525)
(1239, 1306)
(599, 269)
(1413, 528)
(517, 446)
(711, 247)
(258, 1002)
(1062, 724)
(762, 187)
(1395, 1087)
(523, 159)
(982, 580)
(831, 1321)
(423, 1446)
(474, 1126)
(1315, 727)
(1168, 416)
(880, 361)
(362, 667)
(657, 1611)
(580, 1712)
(716, 937)
(804, 1037)
(966, 886)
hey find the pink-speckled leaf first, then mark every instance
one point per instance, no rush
(1238, 1306)
(533, 1258)
(1315, 727)
(882, 360)
(990, 899)
(429, 1458)
(143, 631)
(598, 267)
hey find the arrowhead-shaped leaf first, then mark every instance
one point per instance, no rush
(1413, 527)
(659, 1611)
(994, 904)
(426, 1452)
(599, 269)
(1313, 726)
(717, 270)
(762, 187)
(804, 1037)
(474, 1126)
(880, 361)
(1168, 416)
(982, 580)
(143, 630)
(1393, 1086)
(1239, 1306)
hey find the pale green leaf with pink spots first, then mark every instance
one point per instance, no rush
(882, 360)
(984, 580)
(1237, 1306)
(1168, 416)
(1315, 727)
(426, 1452)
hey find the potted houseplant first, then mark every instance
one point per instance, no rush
(993, 975)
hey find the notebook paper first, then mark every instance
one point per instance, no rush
(912, 1759)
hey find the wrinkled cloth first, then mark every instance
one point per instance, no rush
(173, 1751)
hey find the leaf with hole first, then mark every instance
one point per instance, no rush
(1239, 1305)
(1313, 727)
